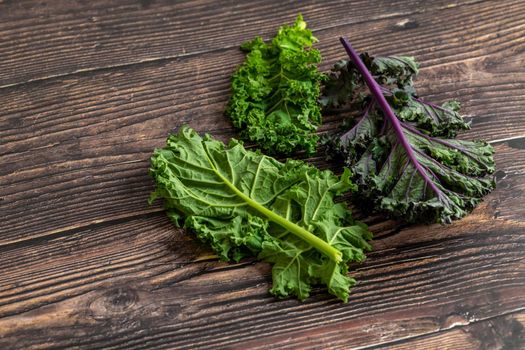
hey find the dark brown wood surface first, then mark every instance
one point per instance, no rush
(88, 89)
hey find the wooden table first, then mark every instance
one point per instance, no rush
(89, 89)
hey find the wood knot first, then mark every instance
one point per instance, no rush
(121, 299)
(500, 175)
(114, 301)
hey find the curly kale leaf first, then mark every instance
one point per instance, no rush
(442, 180)
(275, 92)
(402, 151)
(244, 203)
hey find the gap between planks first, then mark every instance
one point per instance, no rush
(75, 228)
(507, 139)
(455, 325)
(227, 47)
(126, 217)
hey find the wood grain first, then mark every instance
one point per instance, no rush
(88, 89)
(71, 36)
(125, 286)
(86, 138)
(502, 332)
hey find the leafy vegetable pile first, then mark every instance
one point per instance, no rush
(401, 148)
(244, 203)
(275, 92)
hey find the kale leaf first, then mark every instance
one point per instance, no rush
(275, 92)
(402, 149)
(244, 203)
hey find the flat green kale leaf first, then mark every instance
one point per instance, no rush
(402, 149)
(244, 203)
(275, 91)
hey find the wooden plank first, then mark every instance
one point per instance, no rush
(87, 264)
(54, 38)
(503, 332)
(142, 284)
(75, 149)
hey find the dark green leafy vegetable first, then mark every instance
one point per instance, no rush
(275, 92)
(401, 149)
(345, 84)
(244, 203)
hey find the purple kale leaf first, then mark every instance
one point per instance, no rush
(402, 149)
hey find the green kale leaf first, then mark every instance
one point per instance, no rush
(244, 203)
(275, 92)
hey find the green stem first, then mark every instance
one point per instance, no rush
(297, 230)
(275, 106)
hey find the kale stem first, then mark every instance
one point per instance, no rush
(275, 106)
(375, 89)
(316, 242)
(310, 238)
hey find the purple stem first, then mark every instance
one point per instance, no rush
(432, 105)
(375, 89)
(463, 150)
